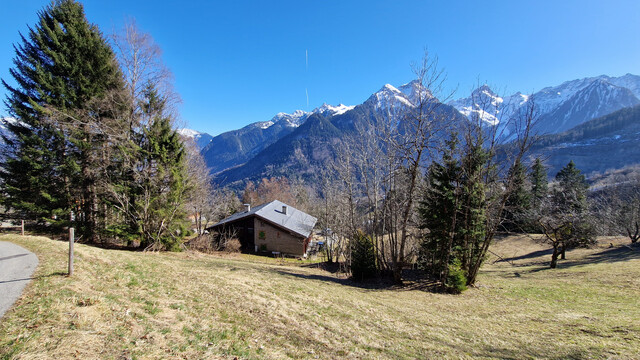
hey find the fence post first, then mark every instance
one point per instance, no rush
(71, 234)
(22, 228)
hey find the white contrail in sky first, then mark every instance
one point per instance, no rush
(307, 92)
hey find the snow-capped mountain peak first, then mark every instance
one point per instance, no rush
(298, 117)
(415, 92)
(483, 104)
(598, 98)
(629, 81)
(390, 97)
(559, 107)
(189, 133)
(294, 119)
(201, 139)
(333, 110)
(389, 87)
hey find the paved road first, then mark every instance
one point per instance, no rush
(16, 267)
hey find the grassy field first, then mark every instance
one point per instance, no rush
(131, 305)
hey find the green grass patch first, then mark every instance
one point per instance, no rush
(123, 304)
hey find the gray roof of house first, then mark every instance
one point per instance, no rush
(294, 220)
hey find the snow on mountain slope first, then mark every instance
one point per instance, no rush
(629, 81)
(298, 117)
(189, 133)
(559, 107)
(393, 101)
(483, 104)
(332, 110)
(599, 98)
(234, 148)
(200, 138)
(294, 119)
(388, 97)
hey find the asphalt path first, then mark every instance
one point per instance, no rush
(16, 267)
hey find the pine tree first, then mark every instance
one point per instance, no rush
(363, 257)
(518, 200)
(153, 185)
(539, 183)
(572, 188)
(166, 188)
(454, 212)
(439, 211)
(61, 67)
(473, 222)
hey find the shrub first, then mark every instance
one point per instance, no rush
(363, 258)
(203, 243)
(232, 246)
(456, 279)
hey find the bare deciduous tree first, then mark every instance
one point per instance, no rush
(381, 166)
(201, 201)
(619, 205)
(141, 61)
(411, 146)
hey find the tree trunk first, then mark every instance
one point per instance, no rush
(636, 234)
(397, 273)
(554, 257)
(563, 255)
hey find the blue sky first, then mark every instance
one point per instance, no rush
(237, 62)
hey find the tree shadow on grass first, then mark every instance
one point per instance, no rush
(611, 255)
(411, 282)
(367, 284)
(530, 255)
(57, 273)
(618, 253)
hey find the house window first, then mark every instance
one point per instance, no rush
(261, 235)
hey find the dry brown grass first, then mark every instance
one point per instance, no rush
(137, 305)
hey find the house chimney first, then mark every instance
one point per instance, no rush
(284, 209)
(247, 206)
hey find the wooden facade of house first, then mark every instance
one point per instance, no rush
(272, 228)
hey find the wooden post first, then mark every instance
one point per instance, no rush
(22, 228)
(71, 251)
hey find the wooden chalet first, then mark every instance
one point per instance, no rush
(274, 227)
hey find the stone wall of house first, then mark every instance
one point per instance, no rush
(277, 239)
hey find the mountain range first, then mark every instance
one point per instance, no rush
(300, 142)
(597, 146)
(559, 108)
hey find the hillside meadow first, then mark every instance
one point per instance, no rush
(137, 305)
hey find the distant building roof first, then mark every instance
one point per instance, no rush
(293, 220)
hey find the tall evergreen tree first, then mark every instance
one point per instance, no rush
(539, 183)
(61, 67)
(454, 212)
(165, 190)
(153, 183)
(439, 211)
(518, 200)
(572, 188)
(476, 172)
